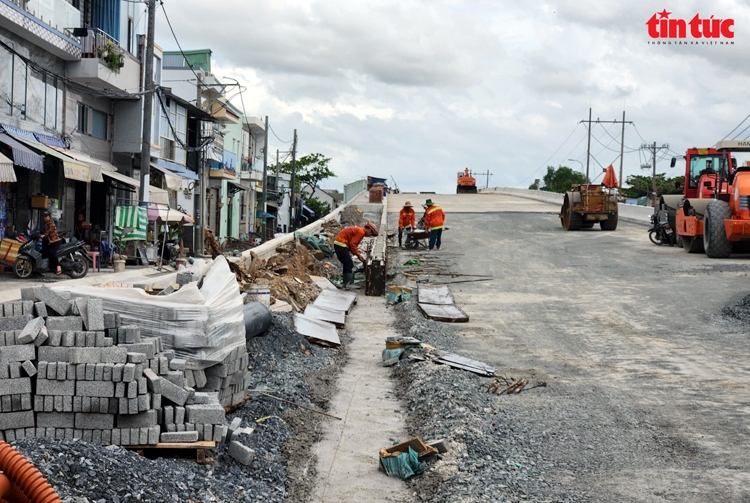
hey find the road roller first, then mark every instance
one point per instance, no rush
(585, 205)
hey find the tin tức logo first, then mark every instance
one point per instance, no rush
(701, 30)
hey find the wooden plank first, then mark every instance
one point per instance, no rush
(450, 314)
(338, 318)
(440, 295)
(338, 300)
(317, 331)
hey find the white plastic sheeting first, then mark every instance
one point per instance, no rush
(201, 325)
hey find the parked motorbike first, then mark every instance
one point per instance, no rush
(661, 233)
(72, 257)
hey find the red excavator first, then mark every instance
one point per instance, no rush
(467, 184)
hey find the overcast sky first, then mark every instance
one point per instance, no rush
(419, 90)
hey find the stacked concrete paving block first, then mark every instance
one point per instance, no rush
(229, 378)
(17, 368)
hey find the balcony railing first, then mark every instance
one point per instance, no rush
(98, 43)
(58, 14)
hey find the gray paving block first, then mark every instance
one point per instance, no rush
(234, 426)
(90, 339)
(54, 338)
(140, 420)
(121, 389)
(27, 307)
(168, 414)
(64, 323)
(128, 372)
(189, 379)
(49, 387)
(179, 437)
(117, 371)
(143, 436)
(115, 436)
(62, 371)
(241, 452)
(5, 370)
(90, 371)
(29, 293)
(54, 301)
(55, 419)
(174, 393)
(49, 403)
(14, 322)
(14, 370)
(40, 309)
(200, 378)
(133, 406)
(84, 355)
(68, 339)
(144, 402)
(153, 435)
(67, 403)
(80, 339)
(49, 354)
(176, 377)
(114, 354)
(93, 421)
(95, 388)
(137, 358)
(13, 420)
(29, 368)
(125, 436)
(106, 437)
(77, 404)
(30, 331)
(42, 337)
(129, 334)
(99, 372)
(153, 381)
(81, 305)
(107, 372)
(95, 315)
(179, 415)
(25, 401)
(15, 386)
(109, 320)
(205, 413)
(156, 400)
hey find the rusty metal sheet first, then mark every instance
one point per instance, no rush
(338, 301)
(314, 330)
(450, 314)
(438, 295)
(338, 318)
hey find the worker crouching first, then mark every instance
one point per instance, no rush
(346, 243)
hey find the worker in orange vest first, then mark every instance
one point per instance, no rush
(406, 220)
(434, 220)
(346, 243)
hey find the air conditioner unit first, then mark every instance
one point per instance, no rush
(167, 149)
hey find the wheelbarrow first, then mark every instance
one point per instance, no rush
(418, 238)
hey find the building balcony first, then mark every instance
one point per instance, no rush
(256, 126)
(46, 23)
(105, 65)
(253, 175)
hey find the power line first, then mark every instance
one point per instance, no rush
(550, 157)
(178, 42)
(737, 127)
(277, 136)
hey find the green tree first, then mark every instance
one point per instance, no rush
(560, 179)
(533, 186)
(320, 208)
(642, 185)
(310, 170)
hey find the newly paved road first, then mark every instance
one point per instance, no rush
(649, 387)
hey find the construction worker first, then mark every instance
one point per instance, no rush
(405, 220)
(434, 220)
(53, 241)
(346, 243)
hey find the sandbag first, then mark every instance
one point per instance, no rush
(258, 319)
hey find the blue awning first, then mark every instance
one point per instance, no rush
(22, 155)
(50, 140)
(259, 214)
(308, 209)
(177, 168)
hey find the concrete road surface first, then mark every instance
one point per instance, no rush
(649, 384)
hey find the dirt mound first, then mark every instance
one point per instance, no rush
(351, 215)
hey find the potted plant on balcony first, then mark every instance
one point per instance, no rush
(113, 56)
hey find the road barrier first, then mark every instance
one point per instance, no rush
(629, 212)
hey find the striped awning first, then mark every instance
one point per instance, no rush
(22, 155)
(7, 174)
(50, 140)
(131, 223)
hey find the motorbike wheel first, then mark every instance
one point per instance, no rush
(83, 268)
(23, 267)
(653, 235)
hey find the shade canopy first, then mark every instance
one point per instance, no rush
(610, 180)
(166, 215)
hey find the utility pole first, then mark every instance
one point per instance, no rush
(488, 175)
(622, 147)
(588, 149)
(622, 143)
(653, 148)
(148, 99)
(265, 183)
(293, 205)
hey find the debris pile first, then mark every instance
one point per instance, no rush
(86, 375)
(288, 274)
(351, 215)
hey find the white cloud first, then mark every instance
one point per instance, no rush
(419, 89)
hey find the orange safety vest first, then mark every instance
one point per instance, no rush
(406, 218)
(350, 238)
(434, 217)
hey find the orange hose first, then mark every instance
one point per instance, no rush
(27, 483)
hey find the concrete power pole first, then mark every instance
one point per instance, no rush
(622, 148)
(653, 148)
(293, 205)
(265, 184)
(588, 149)
(148, 99)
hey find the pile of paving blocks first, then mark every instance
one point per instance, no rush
(70, 370)
(229, 378)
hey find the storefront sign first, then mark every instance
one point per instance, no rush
(77, 172)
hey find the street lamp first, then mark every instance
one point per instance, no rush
(579, 162)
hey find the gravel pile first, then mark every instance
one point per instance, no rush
(492, 455)
(284, 364)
